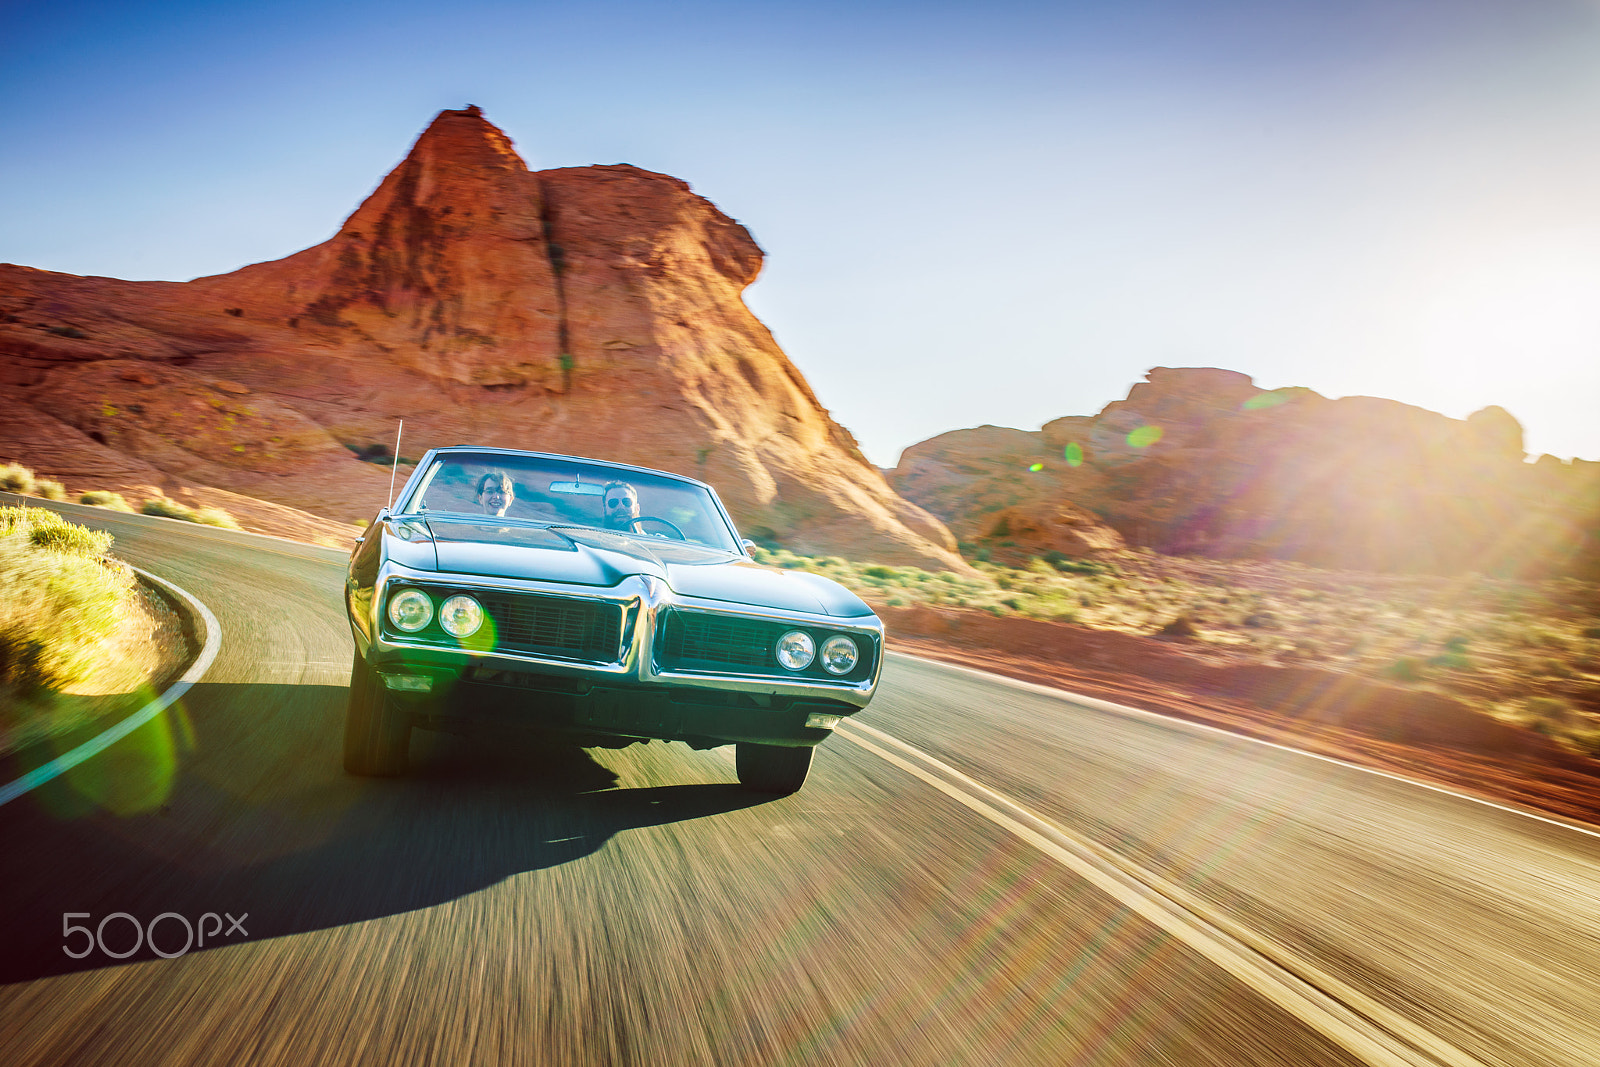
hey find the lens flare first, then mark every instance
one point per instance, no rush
(1266, 400)
(1145, 436)
(1037, 467)
(1073, 454)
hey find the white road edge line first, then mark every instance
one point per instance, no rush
(102, 741)
(1339, 1012)
(1130, 712)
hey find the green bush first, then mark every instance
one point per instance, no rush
(50, 489)
(15, 478)
(104, 498)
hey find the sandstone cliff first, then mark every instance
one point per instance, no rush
(1200, 461)
(593, 310)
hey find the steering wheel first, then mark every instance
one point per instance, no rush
(676, 533)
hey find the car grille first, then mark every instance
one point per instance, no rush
(692, 641)
(555, 626)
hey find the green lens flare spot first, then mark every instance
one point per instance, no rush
(1037, 467)
(484, 639)
(1145, 436)
(1267, 400)
(1073, 454)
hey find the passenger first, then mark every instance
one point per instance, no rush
(495, 492)
(621, 506)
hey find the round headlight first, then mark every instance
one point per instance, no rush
(796, 650)
(410, 610)
(461, 616)
(839, 654)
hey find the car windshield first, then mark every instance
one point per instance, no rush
(570, 492)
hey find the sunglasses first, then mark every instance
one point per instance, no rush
(620, 502)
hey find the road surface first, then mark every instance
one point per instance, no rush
(978, 872)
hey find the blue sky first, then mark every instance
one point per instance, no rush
(972, 213)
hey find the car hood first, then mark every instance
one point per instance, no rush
(583, 556)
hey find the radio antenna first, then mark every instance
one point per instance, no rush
(396, 465)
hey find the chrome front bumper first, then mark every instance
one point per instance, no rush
(643, 600)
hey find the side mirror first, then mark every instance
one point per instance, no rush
(749, 546)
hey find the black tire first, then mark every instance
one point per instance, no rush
(377, 734)
(772, 768)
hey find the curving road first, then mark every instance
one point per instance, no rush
(978, 872)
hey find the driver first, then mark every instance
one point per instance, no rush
(621, 506)
(495, 493)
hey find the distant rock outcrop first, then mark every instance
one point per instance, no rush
(592, 310)
(1200, 461)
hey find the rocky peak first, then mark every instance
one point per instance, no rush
(595, 311)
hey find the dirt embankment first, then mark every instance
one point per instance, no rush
(1412, 732)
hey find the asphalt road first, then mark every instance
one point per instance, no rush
(979, 872)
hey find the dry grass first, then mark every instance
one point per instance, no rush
(65, 603)
(171, 509)
(1522, 651)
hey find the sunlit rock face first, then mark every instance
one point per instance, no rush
(592, 310)
(1200, 461)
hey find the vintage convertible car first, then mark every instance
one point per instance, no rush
(605, 603)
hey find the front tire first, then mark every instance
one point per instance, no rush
(772, 768)
(377, 734)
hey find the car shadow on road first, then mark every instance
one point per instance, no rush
(259, 818)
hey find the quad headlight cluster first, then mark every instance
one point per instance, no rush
(796, 650)
(411, 610)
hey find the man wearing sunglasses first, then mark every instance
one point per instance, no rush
(621, 506)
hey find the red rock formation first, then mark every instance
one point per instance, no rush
(592, 310)
(1200, 461)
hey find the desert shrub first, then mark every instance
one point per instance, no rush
(50, 489)
(70, 537)
(167, 508)
(15, 478)
(171, 509)
(1546, 709)
(216, 517)
(43, 528)
(1550, 667)
(1591, 632)
(104, 498)
(879, 571)
(58, 606)
(1182, 626)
